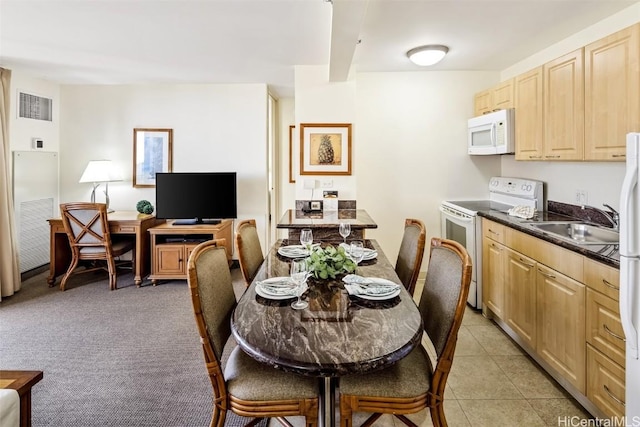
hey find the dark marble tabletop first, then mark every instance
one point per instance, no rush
(337, 334)
(358, 218)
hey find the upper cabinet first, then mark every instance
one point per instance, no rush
(498, 97)
(579, 106)
(612, 93)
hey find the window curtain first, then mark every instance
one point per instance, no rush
(9, 270)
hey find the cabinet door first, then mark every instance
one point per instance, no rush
(561, 333)
(482, 102)
(564, 108)
(503, 95)
(493, 262)
(170, 259)
(528, 120)
(604, 328)
(612, 84)
(520, 305)
(606, 383)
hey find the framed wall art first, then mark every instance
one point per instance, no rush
(325, 148)
(151, 154)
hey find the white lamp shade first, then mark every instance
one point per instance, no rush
(100, 171)
(427, 55)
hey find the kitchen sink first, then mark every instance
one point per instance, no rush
(579, 232)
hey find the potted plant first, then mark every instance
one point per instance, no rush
(328, 262)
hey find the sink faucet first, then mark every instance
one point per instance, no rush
(613, 216)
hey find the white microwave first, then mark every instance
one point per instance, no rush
(492, 133)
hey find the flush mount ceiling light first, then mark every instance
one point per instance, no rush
(427, 55)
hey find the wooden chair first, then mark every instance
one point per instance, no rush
(411, 253)
(87, 227)
(249, 249)
(412, 384)
(244, 386)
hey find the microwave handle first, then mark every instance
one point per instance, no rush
(493, 134)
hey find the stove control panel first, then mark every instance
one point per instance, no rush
(517, 191)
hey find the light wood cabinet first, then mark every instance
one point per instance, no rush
(499, 97)
(520, 290)
(529, 115)
(563, 95)
(493, 268)
(561, 336)
(605, 383)
(171, 246)
(612, 93)
(604, 328)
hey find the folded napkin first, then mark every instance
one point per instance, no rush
(355, 289)
(277, 282)
(368, 253)
(369, 281)
(280, 286)
(374, 286)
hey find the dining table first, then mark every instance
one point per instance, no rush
(336, 335)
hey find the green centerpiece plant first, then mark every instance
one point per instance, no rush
(328, 262)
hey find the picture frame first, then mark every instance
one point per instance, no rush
(152, 153)
(291, 154)
(325, 148)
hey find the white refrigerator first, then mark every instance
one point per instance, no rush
(630, 276)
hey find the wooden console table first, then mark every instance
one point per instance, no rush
(172, 244)
(21, 381)
(120, 222)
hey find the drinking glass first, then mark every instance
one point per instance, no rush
(299, 274)
(345, 230)
(357, 251)
(306, 237)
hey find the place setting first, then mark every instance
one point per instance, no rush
(287, 287)
(303, 249)
(370, 288)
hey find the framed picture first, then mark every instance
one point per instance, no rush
(151, 154)
(325, 149)
(291, 155)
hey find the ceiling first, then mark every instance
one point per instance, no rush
(260, 41)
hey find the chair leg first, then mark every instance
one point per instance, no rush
(346, 413)
(72, 266)
(111, 264)
(437, 415)
(218, 417)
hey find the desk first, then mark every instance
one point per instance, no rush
(325, 224)
(336, 335)
(120, 222)
(21, 381)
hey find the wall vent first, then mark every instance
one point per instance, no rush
(35, 107)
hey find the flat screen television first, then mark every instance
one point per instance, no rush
(196, 197)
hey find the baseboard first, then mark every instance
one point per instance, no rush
(33, 272)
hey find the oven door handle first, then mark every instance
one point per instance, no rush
(459, 218)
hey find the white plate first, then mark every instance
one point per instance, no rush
(369, 254)
(268, 295)
(378, 297)
(293, 251)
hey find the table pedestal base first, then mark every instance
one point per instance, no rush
(327, 412)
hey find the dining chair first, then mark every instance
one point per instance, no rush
(412, 384)
(411, 253)
(249, 250)
(244, 386)
(87, 228)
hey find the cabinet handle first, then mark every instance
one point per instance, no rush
(493, 245)
(493, 232)
(606, 389)
(552, 157)
(610, 332)
(525, 263)
(607, 283)
(535, 157)
(618, 155)
(549, 275)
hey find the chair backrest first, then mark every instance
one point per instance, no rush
(411, 253)
(212, 296)
(249, 249)
(444, 296)
(87, 227)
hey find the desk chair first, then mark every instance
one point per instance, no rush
(87, 227)
(244, 386)
(412, 384)
(411, 253)
(249, 249)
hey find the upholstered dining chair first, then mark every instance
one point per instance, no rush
(87, 228)
(249, 250)
(412, 384)
(244, 386)
(411, 253)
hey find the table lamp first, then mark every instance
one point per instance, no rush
(98, 171)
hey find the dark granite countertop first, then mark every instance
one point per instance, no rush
(358, 218)
(607, 254)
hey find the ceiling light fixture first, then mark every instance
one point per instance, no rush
(427, 55)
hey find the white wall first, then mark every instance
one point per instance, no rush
(215, 128)
(286, 190)
(601, 180)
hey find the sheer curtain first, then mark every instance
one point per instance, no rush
(9, 270)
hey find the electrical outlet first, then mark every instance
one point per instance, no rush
(582, 197)
(327, 183)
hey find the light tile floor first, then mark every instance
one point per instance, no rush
(493, 383)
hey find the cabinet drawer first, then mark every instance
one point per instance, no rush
(602, 278)
(493, 231)
(604, 329)
(605, 383)
(123, 229)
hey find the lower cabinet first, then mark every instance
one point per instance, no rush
(562, 308)
(171, 259)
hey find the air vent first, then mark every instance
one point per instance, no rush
(35, 107)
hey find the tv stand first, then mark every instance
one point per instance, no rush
(196, 221)
(171, 246)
